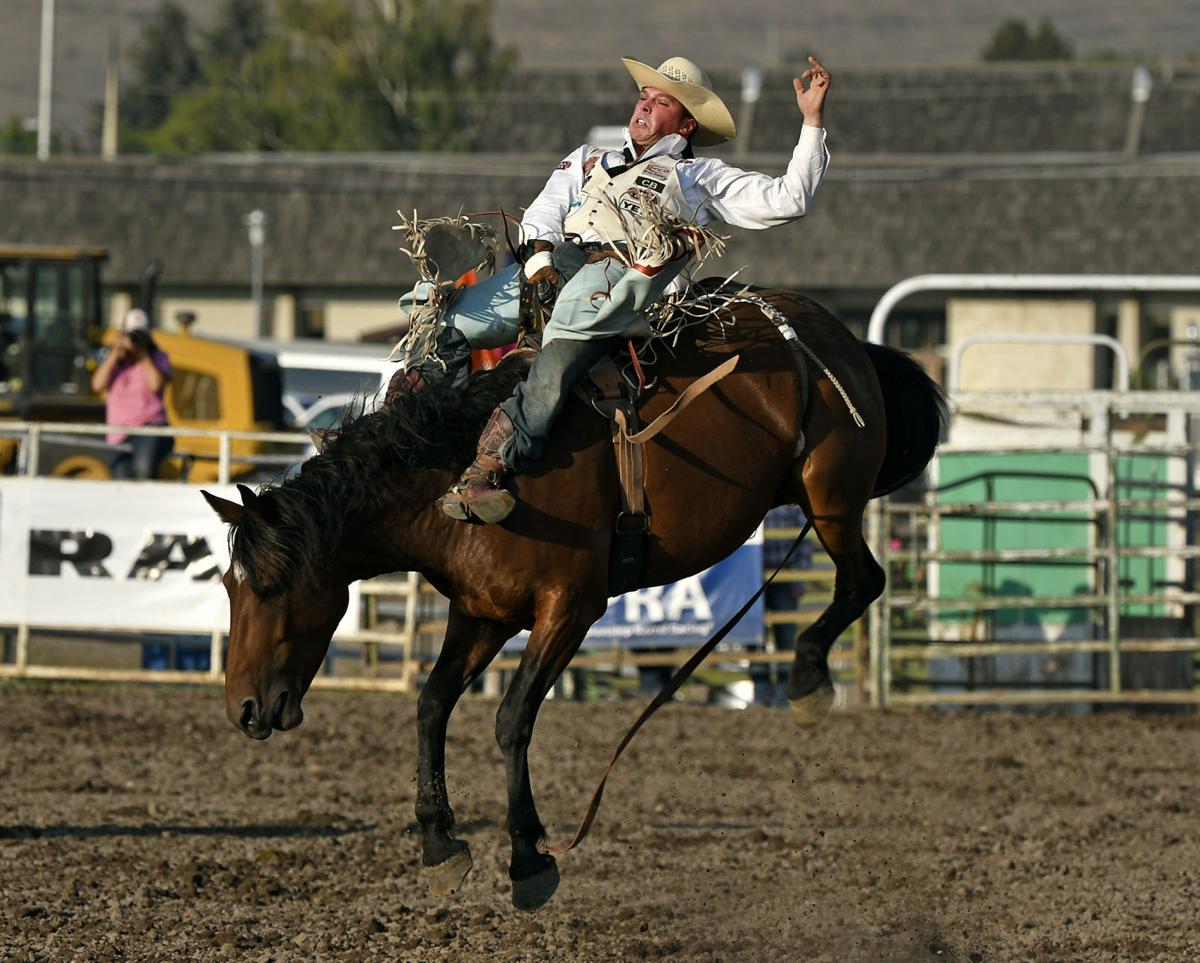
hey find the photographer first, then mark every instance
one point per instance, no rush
(135, 374)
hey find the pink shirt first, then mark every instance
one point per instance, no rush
(130, 400)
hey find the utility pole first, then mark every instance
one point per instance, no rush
(256, 222)
(1139, 94)
(112, 98)
(45, 80)
(752, 81)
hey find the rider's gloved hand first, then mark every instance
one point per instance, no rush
(539, 268)
(684, 244)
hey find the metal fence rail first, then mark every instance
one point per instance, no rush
(403, 617)
(415, 636)
(908, 539)
(31, 434)
(397, 649)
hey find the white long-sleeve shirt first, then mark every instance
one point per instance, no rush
(712, 189)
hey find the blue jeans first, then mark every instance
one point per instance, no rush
(601, 300)
(537, 401)
(143, 459)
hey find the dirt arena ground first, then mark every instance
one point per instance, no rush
(136, 824)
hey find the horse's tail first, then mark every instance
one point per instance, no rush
(916, 416)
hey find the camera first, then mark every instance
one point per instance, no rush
(141, 340)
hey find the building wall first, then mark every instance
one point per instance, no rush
(349, 320)
(998, 367)
(221, 316)
(1185, 360)
(216, 317)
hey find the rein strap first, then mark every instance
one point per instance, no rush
(678, 679)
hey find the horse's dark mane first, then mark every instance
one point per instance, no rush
(297, 523)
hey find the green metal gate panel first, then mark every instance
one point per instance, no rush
(1144, 477)
(1039, 476)
(1044, 476)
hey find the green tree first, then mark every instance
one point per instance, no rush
(1013, 40)
(165, 63)
(17, 138)
(242, 27)
(435, 64)
(340, 75)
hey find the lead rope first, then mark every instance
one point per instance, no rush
(678, 679)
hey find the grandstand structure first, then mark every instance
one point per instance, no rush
(998, 169)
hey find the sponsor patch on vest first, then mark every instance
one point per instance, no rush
(652, 184)
(563, 165)
(630, 205)
(655, 171)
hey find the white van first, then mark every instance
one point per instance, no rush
(321, 378)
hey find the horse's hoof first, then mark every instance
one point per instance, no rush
(535, 891)
(811, 710)
(445, 878)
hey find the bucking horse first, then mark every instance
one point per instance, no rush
(827, 428)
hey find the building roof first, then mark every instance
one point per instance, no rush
(329, 220)
(989, 108)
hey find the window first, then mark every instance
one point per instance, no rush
(58, 305)
(315, 382)
(195, 395)
(57, 329)
(310, 320)
(13, 281)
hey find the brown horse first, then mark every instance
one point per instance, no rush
(366, 506)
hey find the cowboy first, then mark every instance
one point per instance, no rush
(568, 229)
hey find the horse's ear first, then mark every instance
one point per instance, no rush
(249, 499)
(322, 438)
(229, 512)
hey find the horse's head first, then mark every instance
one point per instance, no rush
(278, 634)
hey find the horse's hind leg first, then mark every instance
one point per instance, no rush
(859, 582)
(833, 492)
(469, 646)
(555, 638)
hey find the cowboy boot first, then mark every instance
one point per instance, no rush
(479, 493)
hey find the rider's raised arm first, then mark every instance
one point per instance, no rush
(752, 199)
(543, 220)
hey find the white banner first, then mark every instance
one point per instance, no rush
(116, 556)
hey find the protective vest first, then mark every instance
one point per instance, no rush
(592, 220)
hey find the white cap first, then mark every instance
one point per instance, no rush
(135, 320)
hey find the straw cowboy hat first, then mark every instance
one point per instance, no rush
(690, 85)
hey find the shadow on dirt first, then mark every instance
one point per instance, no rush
(112, 830)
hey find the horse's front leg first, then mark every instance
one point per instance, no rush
(469, 646)
(555, 639)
